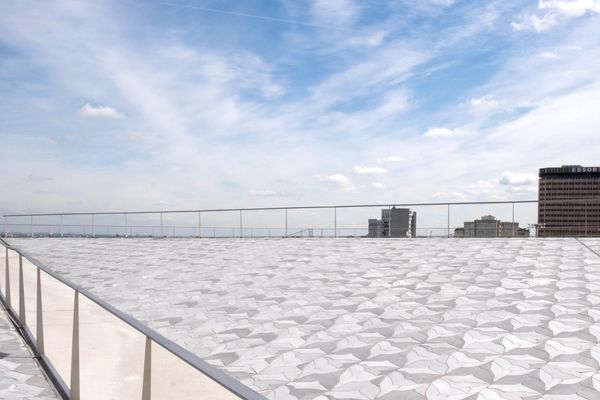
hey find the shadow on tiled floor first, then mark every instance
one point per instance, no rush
(20, 374)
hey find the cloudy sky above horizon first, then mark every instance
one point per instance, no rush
(175, 104)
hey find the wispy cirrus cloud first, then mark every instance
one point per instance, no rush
(271, 105)
(339, 13)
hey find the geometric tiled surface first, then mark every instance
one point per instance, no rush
(20, 375)
(382, 319)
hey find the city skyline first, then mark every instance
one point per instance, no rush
(118, 105)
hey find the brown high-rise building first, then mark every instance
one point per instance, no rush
(569, 201)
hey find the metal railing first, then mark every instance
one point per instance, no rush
(73, 334)
(332, 228)
(124, 223)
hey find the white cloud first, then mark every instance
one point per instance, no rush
(572, 8)
(342, 182)
(366, 170)
(378, 185)
(444, 132)
(518, 179)
(555, 12)
(87, 110)
(533, 22)
(484, 104)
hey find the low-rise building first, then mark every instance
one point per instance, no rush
(489, 226)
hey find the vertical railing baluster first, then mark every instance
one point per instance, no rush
(335, 222)
(39, 332)
(513, 220)
(448, 226)
(21, 294)
(199, 224)
(241, 226)
(161, 225)
(390, 227)
(93, 227)
(126, 225)
(62, 231)
(31, 223)
(74, 393)
(286, 222)
(147, 379)
(7, 281)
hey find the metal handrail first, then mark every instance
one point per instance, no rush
(213, 373)
(329, 206)
(282, 208)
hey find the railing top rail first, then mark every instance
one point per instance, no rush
(213, 373)
(205, 210)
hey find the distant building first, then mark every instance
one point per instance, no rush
(375, 228)
(394, 222)
(562, 206)
(489, 226)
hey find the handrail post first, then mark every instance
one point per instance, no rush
(286, 222)
(448, 226)
(7, 280)
(199, 224)
(39, 317)
(5, 226)
(390, 228)
(62, 231)
(335, 222)
(126, 225)
(31, 223)
(74, 387)
(93, 227)
(22, 318)
(513, 231)
(161, 225)
(241, 226)
(147, 379)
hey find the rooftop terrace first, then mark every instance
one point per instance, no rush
(362, 319)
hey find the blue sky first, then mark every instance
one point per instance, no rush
(178, 104)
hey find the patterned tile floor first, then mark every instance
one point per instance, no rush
(20, 375)
(384, 319)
